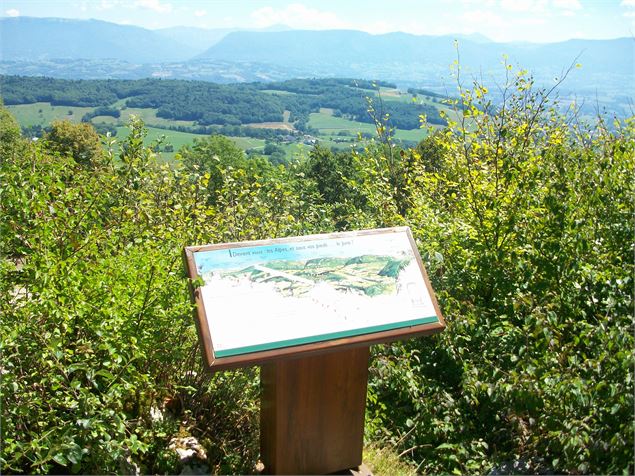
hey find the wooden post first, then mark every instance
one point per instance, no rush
(312, 412)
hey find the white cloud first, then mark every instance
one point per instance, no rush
(200, 13)
(155, 5)
(107, 4)
(523, 5)
(630, 11)
(298, 16)
(483, 18)
(12, 12)
(478, 3)
(569, 5)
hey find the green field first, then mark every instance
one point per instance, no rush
(179, 139)
(42, 113)
(248, 142)
(388, 94)
(149, 116)
(277, 91)
(175, 138)
(330, 126)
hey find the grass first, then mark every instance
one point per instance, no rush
(416, 135)
(278, 92)
(179, 139)
(248, 142)
(175, 138)
(330, 126)
(384, 461)
(148, 115)
(42, 113)
(296, 150)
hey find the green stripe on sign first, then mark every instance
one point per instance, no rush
(333, 335)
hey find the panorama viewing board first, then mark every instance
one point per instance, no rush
(260, 300)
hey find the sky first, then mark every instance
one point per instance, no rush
(499, 20)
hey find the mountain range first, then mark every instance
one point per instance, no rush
(33, 39)
(343, 47)
(96, 49)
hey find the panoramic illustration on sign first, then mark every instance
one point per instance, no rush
(283, 294)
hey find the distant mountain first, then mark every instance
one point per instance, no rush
(77, 49)
(201, 39)
(26, 38)
(342, 48)
(196, 39)
(475, 37)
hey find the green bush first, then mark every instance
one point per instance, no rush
(525, 222)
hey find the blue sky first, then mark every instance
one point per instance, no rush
(500, 20)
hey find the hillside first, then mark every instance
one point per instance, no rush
(294, 112)
(26, 38)
(201, 39)
(343, 47)
(197, 40)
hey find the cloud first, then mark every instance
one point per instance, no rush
(298, 16)
(629, 5)
(154, 5)
(200, 13)
(523, 5)
(567, 5)
(478, 3)
(12, 12)
(483, 18)
(107, 4)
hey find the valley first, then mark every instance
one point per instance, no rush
(279, 118)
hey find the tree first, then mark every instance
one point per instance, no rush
(79, 141)
(9, 128)
(210, 157)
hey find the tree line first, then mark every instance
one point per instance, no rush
(219, 104)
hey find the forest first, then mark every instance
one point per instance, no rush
(522, 213)
(219, 104)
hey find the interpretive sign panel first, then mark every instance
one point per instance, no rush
(262, 299)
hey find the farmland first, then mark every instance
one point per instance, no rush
(294, 114)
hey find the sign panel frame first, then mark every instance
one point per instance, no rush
(217, 359)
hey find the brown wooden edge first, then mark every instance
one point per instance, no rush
(200, 317)
(314, 348)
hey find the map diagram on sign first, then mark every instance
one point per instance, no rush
(367, 275)
(277, 295)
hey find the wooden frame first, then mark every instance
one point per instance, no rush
(367, 338)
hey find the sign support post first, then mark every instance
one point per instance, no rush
(312, 412)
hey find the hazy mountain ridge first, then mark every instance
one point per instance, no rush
(91, 49)
(32, 39)
(27, 38)
(200, 40)
(341, 47)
